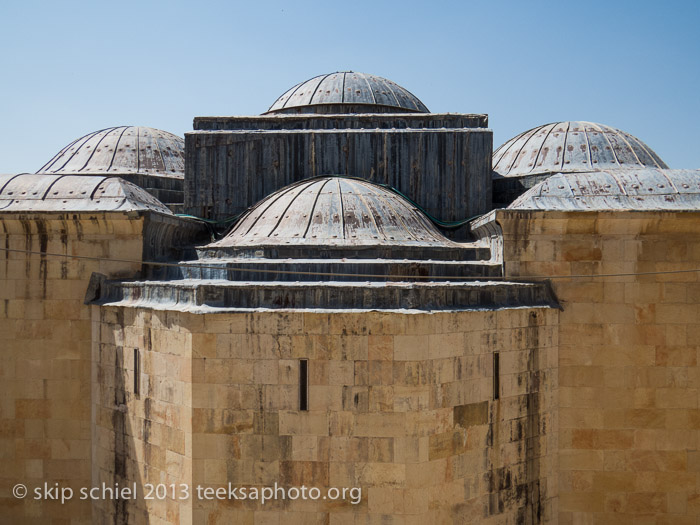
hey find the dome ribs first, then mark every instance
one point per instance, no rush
(334, 213)
(342, 208)
(76, 154)
(90, 149)
(347, 92)
(631, 149)
(312, 211)
(396, 222)
(552, 155)
(565, 146)
(101, 154)
(138, 151)
(284, 98)
(645, 151)
(253, 218)
(283, 214)
(369, 216)
(576, 150)
(539, 150)
(128, 153)
(328, 87)
(602, 154)
(315, 89)
(623, 151)
(342, 90)
(115, 151)
(645, 188)
(74, 193)
(173, 152)
(384, 94)
(504, 149)
(358, 87)
(571, 146)
(371, 92)
(288, 226)
(160, 152)
(517, 152)
(46, 168)
(116, 148)
(149, 160)
(325, 221)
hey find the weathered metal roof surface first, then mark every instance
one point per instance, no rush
(349, 87)
(29, 192)
(334, 211)
(618, 189)
(121, 150)
(572, 147)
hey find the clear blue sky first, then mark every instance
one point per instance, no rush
(70, 68)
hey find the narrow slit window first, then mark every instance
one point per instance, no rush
(303, 384)
(496, 375)
(137, 372)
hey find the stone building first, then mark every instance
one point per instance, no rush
(358, 297)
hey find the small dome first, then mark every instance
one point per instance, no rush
(120, 151)
(29, 192)
(347, 92)
(334, 213)
(572, 147)
(616, 189)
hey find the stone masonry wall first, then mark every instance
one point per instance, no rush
(45, 420)
(629, 418)
(142, 432)
(401, 405)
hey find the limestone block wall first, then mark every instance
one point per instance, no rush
(45, 339)
(628, 358)
(400, 405)
(142, 422)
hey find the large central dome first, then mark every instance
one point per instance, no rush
(347, 92)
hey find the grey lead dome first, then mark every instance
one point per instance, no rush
(616, 189)
(30, 192)
(334, 211)
(572, 147)
(348, 92)
(121, 150)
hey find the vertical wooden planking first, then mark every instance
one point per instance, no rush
(444, 170)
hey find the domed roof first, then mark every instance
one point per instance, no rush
(368, 93)
(120, 151)
(572, 147)
(334, 212)
(73, 193)
(617, 189)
